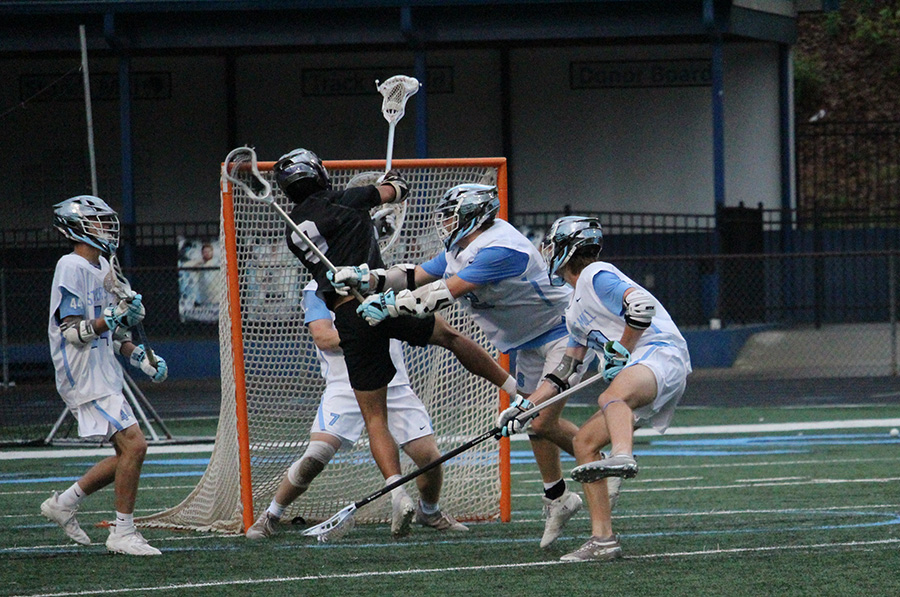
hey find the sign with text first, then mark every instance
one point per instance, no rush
(47, 87)
(639, 73)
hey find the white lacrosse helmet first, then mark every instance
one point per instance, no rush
(88, 219)
(567, 235)
(463, 209)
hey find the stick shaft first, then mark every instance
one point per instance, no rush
(390, 146)
(318, 253)
(495, 432)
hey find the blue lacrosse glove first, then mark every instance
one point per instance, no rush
(615, 357)
(346, 278)
(378, 307)
(508, 422)
(140, 360)
(127, 313)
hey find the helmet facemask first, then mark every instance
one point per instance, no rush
(567, 235)
(88, 219)
(463, 209)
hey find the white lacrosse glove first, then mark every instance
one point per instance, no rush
(385, 222)
(615, 357)
(401, 187)
(349, 277)
(379, 307)
(139, 360)
(508, 423)
(128, 313)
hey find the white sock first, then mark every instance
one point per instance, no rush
(71, 497)
(276, 509)
(397, 491)
(428, 508)
(124, 523)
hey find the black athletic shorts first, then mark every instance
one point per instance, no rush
(367, 347)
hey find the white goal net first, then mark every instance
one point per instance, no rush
(271, 383)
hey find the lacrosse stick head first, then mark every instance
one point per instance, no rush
(392, 213)
(335, 527)
(242, 171)
(115, 281)
(396, 91)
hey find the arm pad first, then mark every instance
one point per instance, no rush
(562, 376)
(640, 307)
(423, 301)
(397, 277)
(120, 336)
(79, 333)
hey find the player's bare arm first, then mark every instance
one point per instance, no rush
(324, 334)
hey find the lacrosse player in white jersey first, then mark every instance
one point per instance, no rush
(499, 277)
(87, 327)
(339, 423)
(646, 363)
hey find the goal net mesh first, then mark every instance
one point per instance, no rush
(283, 381)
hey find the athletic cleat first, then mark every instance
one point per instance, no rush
(402, 512)
(596, 550)
(64, 517)
(613, 485)
(439, 521)
(614, 466)
(132, 544)
(557, 513)
(265, 526)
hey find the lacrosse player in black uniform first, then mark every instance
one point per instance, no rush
(339, 224)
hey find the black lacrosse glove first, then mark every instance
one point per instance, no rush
(401, 187)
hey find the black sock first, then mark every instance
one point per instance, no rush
(556, 491)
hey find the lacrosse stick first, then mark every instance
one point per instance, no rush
(243, 159)
(118, 285)
(396, 91)
(397, 210)
(343, 522)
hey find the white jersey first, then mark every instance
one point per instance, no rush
(592, 324)
(516, 309)
(331, 362)
(83, 373)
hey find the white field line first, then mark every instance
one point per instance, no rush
(689, 430)
(453, 569)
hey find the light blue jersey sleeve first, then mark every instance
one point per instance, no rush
(494, 264)
(314, 307)
(435, 266)
(70, 305)
(610, 289)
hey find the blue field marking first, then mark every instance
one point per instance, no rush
(144, 475)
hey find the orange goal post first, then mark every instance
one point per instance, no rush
(271, 383)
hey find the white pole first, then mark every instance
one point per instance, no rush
(87, 108)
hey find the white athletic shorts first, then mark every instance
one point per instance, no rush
(101, 418)
(533, 364)
(339, 415)
(671, 370)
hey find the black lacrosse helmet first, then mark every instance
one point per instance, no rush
(301, 173)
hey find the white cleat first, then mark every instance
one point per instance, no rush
(439, 521)
(64, 517)
(402, 512)
(558, 512)
(596, 550)
(615, 466)
(265, 526)
(132, 544)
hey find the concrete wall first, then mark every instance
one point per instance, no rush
(616, 149)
